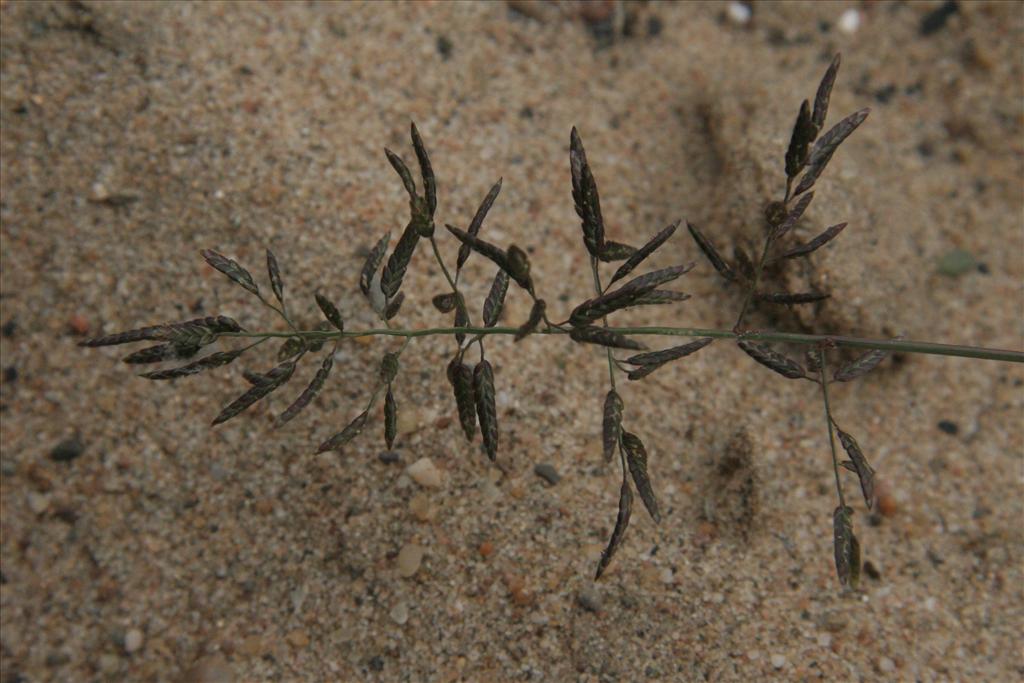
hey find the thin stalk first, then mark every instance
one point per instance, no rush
(754, 285)
(444, 268)
(892, 345)
(598, 291)
(279, 311)
(831, 434)
(454, 282)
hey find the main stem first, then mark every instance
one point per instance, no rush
(892, 345)
(598, 292)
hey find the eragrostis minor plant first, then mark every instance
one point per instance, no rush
(808, 154)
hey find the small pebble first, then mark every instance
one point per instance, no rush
(949, 427)
(425, 473)
(109, 663)
(589, 599)
(444, 47)
(849, 22)
(38, 502)
(251, 646)
(547, 472)
(78, 324)
(56, 659)
(409, 559)
(400, 613)
(886, 665)
(389, 457)
(885, 502)
(133, 640)
(299, 639)
(67, 450)
(407, 422)
(517, 590)
(957, 262)
(654, 26)
(872, 571)
(738, 12)
(937, 18)
(212, 669)
(778, 661)
(421, 508)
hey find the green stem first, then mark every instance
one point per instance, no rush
(279, 311)
(831, 433)
(444, 268)
(598, 291)
(754, 285)
(892, 345)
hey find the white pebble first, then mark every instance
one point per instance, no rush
(409, 559)
(738, 12)
(133, 641)
(825, 639)
(425, 473)
(778, 661)
(886, 665)
(400, 613)
(38, 502)
(849, 22)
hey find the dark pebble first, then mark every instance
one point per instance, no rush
(589, 600)
(654, 26)
(949, 427)
(67, 450)
(377, 663)
(872, 571)
(547, 472)
(937, 18)
(389, 457)
(10, 374)
(885, 93)
(444, 47)
(603, 32)
(9, 328)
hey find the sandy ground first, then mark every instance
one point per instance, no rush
(157, 548)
